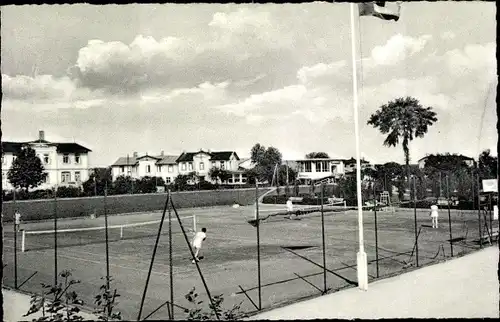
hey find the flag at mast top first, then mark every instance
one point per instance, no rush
(381, 9)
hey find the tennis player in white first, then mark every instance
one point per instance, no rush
(434, 215)
(198, 239)
(289, 207)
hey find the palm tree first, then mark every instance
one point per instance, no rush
(403, 119)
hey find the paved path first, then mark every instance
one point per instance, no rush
(466, 287)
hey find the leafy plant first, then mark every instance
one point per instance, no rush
(57, 302)
(106, 303)
(27, 170)
(196, 312)
(60, 303)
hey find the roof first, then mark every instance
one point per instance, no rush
(158, 158)
(314, 159)
(71, 148)
(61, 147)
(125, 161)
(168, 159)
(186, 156)
(12, 147)
(223, 155)
(214, 156)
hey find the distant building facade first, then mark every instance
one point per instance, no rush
(169, 167)
(66, 164)
(313, 170)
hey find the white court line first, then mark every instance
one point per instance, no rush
(111, 264)
(233, 238)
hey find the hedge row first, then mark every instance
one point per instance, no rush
(75, 192)
(33, 210)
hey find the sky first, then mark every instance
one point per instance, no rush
(184, 77)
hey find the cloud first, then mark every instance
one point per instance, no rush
(309, 74)
(264, 101)
(44, 87)
(206, 91)
(397, 49)
(241, 19)
(474, 58)
(448, 35)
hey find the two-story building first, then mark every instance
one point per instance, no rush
(66, 164)
(313, 170)
(135, 166)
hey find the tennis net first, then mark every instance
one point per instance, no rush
(45, 239)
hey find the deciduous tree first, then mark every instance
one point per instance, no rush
(27, 171)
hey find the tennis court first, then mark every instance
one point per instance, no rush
(291, 255)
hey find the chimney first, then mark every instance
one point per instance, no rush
(135, 154)
(162, 153)
(41, 135)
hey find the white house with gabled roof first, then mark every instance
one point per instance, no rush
(66, 164)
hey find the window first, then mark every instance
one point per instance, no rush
(202, 166)
(170, 168)
(78, 177)
(65, 176)
(213, 164)
(148, 168)
(190, 166)
(77, 158)
(46, 159)
(158, 168)
(325, 166)
(65, 158)
(307, 167)
(222, 165)
(3, 160)
(47, 178)
(230, 180)
(122, 169)
(183, 166)
(168, 179)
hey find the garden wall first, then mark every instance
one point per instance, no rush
(33, 210)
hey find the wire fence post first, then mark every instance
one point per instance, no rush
(55, 235)
(171, 274)
(258, 241)
(479, 211)
(212, 305)
(490, 208)
(376, 229)
(449, 213)
(415, 217)
(153, 258)
(15, 238)
(323, 239)
(106, 234)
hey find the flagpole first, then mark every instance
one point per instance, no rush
(361, 256)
